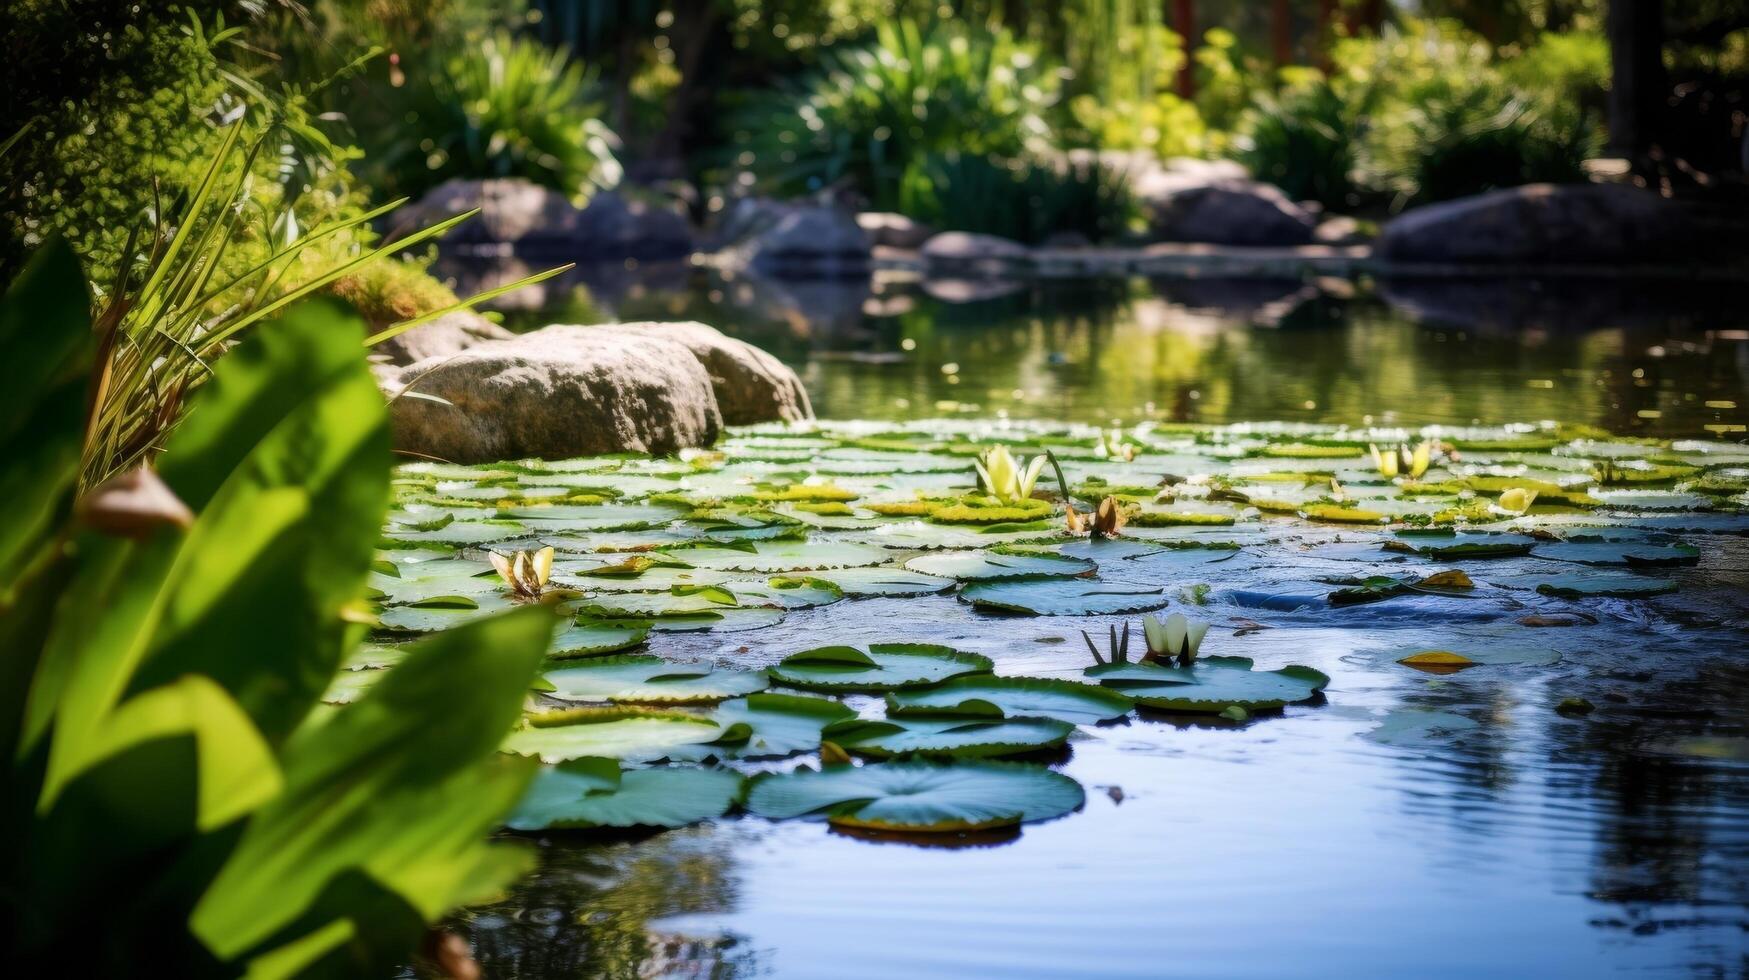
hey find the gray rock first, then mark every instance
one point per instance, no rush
(894, 230)
(793, 240)
(1543, 223)
(960, 253)
(750, 385)
(519, 217)
(558, 392)
(1339, 231)
(1208, 204)
(446, 335)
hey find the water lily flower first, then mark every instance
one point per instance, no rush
(524, 572)
(1401, 460)
(1177, 638)
(1517, 500)
(1111, 444)
(1005, 477)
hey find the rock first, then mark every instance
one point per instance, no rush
(1339, 231)
(894, 230)
(793, 240)
(1542, 223)
(558, 392)
(750, 385)
(520, 217)
(442, 337)
(1207, 203)
(960, 253)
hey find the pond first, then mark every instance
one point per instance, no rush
(1572, 801)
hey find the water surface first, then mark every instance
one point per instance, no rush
(1411, 825)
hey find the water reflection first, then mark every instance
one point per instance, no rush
(1655, 357)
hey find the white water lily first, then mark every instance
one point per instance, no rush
(1179, 637)
(1516, 500)
(1400, 460)
(1111, 445)
(524, 572)
(1007, 478)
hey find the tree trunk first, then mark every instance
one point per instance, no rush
(1281, 31)
(1184, 23)
(1638, 85)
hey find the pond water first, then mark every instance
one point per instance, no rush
(1401, 824)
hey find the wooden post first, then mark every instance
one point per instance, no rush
(1638, 86)
(1184, 24)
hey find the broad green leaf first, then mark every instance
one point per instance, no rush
(1063, 597)
(1211, 685)
(1013, 697)
(918, 797)
(977, 566)
(883, 667)
(587, 793)
(958, 736)
(646, 679)
(632, 734)
(769, 725)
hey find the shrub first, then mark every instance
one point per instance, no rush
(223, 819)
(501, 106)
(875, 111)
(1302, 141)
(1023, 201)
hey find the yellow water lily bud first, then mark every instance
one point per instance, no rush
(1517, 500)
(1386, 462)
(1420, 459)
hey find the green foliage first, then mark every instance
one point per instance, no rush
(393, 290)
(166, 760)
(497, 106)
(1302, 141)
(1026, 202)
(875, 111)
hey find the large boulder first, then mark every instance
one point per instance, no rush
(793, 240)
(446, 335)
(961, 253)
(1213, 205)
(894, 230)
(558, 392)
(1545, 224)
(520, 217)
(750, 385)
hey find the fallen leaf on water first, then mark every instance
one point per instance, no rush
(1450, 579)
(1437, 661)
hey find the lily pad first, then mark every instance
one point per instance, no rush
(632, 734)
(647, 679)
(955, 736)
(1211, 685)
(589, 637)
(1013, 697)
(884, 667)
(1064, 597)
(769, 725)
(859, 582)
(918, 797)
(786, 556)
(1636, 553)
(1603, 585)
(977, 566)
(585, 793)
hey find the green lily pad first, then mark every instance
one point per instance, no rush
(977, 566)
(585, 793)
(443, 612)
(589, 637)
(1211, 685)
(861, 582)
(1637, 553)
(786, 556)
(1452, 546)
(956, 736)
(647, 679)
(918, 797)
(769, 725)
(631, 734)
(884, 667)
(1604, 585)
(1013, 697)
(1063, 597)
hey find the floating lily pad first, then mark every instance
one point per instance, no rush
(1453, 546)
(1063, 597)
(1013, 697)
(859, 582)
(955, 736)
(585, 793)
(918, 797)
(884, 667)
(589, 637)
(646, 679)
(1636, 553)
(1211, 685)
(786, 556)
(769, 725)
(443, 612)
(975, 566)
(632, 734)
(1601, 585)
